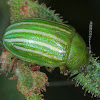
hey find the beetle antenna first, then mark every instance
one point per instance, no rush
(90, 35)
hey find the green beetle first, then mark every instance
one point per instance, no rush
(46, 43)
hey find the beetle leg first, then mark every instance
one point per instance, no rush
(67, 73)
(64, 70)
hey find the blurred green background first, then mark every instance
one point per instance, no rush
(78, 13)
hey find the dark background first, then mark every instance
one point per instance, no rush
(78, 13)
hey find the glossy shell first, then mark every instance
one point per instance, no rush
(46, 43)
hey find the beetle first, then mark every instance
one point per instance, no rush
(46, 43)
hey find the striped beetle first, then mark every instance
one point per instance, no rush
(46, 43)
